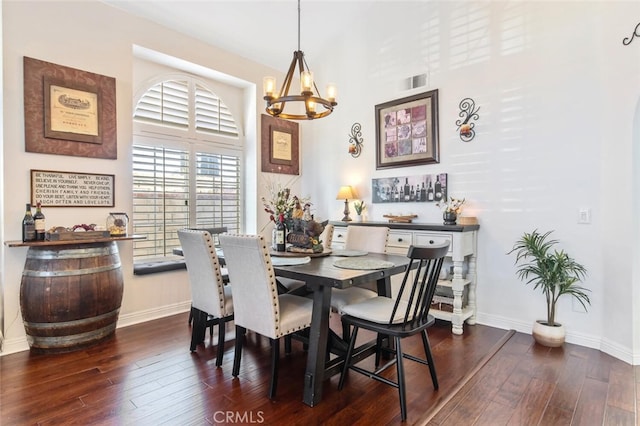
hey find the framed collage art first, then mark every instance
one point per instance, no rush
(407, 131)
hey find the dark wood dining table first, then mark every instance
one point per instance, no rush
(320, 276)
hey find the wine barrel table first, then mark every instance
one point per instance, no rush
(70, 293)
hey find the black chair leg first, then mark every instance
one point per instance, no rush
(427, 351)
(347, 357)
(198, 329)
(221, 331)
(275, 358)
(346, 330)
(287, 344)
(238, 352)
(401, 384)
(379, 341)
(191, 315)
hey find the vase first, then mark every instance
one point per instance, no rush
(549, 336)
(449, 218)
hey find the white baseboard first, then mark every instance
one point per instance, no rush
(10, 346)
(152, 314)
(587, 340)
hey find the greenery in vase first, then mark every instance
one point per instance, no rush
(554, 273)
(359, 206)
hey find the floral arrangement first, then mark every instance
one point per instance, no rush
(282, 202)
(451, 205)
(359, 206)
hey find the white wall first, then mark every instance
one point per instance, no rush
(557, 92)
(94, 37)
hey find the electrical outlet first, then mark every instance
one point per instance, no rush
(584, 216)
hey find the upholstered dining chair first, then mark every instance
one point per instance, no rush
(364, 238)
(398, 318)
(211, 300)
(257, 304)
(290, 285)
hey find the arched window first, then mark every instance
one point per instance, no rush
(187, 155)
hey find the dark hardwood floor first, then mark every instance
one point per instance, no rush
(146, 375)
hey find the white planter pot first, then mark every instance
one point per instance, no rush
(548, 336)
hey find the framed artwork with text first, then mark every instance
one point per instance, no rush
(69, 111)
(279, 146)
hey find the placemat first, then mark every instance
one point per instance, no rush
(290, 261)
(349, 253)
(360, 263)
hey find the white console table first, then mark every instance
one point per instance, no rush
(461, 255)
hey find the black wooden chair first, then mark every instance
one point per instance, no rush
(404, 316)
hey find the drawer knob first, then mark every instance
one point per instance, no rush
(399, 240)
(339, 235)
(431, 241)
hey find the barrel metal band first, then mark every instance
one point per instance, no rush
(73, 254)
(72, 323)
(60, 342)
(71, 272)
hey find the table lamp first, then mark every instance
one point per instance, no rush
(345, 193)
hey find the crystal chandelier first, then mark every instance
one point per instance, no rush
(309, 95)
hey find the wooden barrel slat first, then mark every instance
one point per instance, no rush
(70, 296)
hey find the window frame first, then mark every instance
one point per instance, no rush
(193, 142)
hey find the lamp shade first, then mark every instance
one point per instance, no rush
(346, 193)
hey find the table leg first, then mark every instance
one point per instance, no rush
(318, 336)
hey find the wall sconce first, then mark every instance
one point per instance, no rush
(636, 33)
(355, 140)
(346, 193)
(468, 111)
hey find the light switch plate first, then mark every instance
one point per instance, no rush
(584, 216)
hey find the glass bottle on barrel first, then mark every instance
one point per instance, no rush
(38, 218)
(28, 225)
(280, 234)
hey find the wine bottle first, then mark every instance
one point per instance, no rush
(423, 193)
(430, 192)
(28, 225)
(40, 227)
(438, 189)
(406, 189)
(280, 234)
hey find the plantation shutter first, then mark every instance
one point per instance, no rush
(167, 103)
(212, 116)
(160, 198)
(218, 191)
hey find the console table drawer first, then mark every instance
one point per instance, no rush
(423, 239)
(400, 239)
(339, 236)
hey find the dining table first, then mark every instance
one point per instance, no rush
(321, 275)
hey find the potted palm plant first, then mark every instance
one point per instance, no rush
(555, 273)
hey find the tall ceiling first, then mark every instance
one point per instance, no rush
(265, 31)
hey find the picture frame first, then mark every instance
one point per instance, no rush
(69, 111)
(427, 188)
(52, 188)
(279, 146)
(407, 131)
